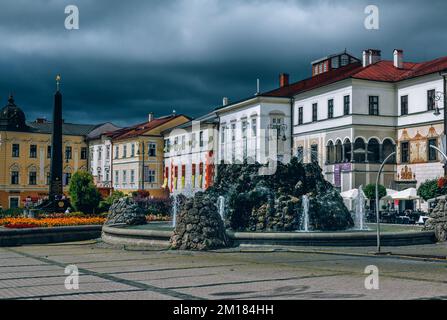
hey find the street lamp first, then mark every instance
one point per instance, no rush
(377, 199)
(438, 97)
(143, 154)
(281, 130)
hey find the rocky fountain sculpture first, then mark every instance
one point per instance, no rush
(126, 211)
(295, 198)
(438, 221)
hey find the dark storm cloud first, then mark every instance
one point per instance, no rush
(132, 57)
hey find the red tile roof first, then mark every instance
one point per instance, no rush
(139, 129)
(380, 71)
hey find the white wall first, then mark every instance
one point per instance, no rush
(262, 110)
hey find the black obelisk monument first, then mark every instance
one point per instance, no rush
(56, 188)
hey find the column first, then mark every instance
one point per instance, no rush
(366, 153)
(381, 153)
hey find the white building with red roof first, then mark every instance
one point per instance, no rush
(349, 118)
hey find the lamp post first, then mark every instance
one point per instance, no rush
(142, 172)
(377, 199)
(438, 97)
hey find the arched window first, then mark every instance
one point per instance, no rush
(359, 150)
(338, 152)
(373, 151)
(348, 153)
(330, 152)
(388, 148)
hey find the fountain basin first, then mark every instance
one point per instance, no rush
(158, 235)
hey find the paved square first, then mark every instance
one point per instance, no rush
(37, 272)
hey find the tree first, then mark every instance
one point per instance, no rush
(429, 189)
(370, 191)
(85, 197)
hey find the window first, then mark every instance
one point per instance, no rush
(33, 151)
(300, 116)
(48, 179)
(108, 152)
(149, 175)
(49, 152)
(431, 101)
(432, 153)
(14, 202)
(346, 105)
(32, 178)
(83, 153)
(132, 176)
(330, 108)
(314, 153)
(183, 142)
(14, 177)
(124, 176)
(233, 132)
(403, 105)
(132, 150)
(153, 147)
(125, 151)
(117, 152)
(300, 153)
(67, 178)
(315, 112)
(68, 154)
(117, 176)
(373, 105)
(15, 150)
(254, 126)
(405, 152)
(222, 134)
(201, 142)
(99, 153)
(167, 146)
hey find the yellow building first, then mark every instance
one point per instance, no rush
(25, 152)
(140, 149)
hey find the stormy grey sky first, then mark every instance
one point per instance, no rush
(132, 57)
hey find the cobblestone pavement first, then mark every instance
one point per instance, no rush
(37, 272)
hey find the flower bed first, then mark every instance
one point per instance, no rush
(23, 223)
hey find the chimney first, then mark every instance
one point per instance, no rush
(283, 80)
(225, 101)
(371, 56)
(398, 58)
(150, 117)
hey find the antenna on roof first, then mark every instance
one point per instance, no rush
(257, 87)
(174, 112)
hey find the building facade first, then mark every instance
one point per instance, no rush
(100, 156)
(25, 153)
(137, 155)
(255, 130)
(351, 118)
(189, 155)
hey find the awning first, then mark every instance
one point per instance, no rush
(389, 194)
(408, 194)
